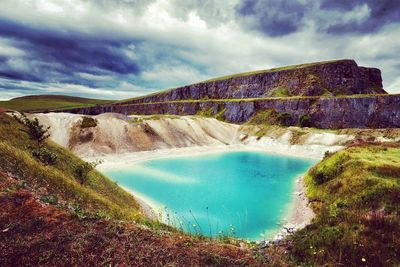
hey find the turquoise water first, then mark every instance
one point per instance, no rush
(245, 194)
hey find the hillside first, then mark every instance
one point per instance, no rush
(48, 217)
(49, 102)
(58, 183)
(356, 196)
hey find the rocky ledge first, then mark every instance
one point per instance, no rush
(331, 78)
(335, 94)
(376, 111)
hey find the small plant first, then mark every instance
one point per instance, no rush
(81, 171)
(327, 154)
(88, 122)
(45, 156)
(38, 133)
(50, 199)
(284, 118)
(78, 211)
(333, 167)
(304, 120)
(205, 112)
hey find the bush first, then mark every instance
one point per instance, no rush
(305, 120)
(327, 154)
(81, 171)
(36, 131)
(88, 122)
(45, 156)
(331, 168)
(284, 118)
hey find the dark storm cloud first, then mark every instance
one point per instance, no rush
(277, 18)
(63, 53)
(382, 12)
(273, 17)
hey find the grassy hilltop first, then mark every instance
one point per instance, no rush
(49, 102)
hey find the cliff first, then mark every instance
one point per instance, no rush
(334, 94)
(375, 111)
(332, 78)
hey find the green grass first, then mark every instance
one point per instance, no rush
(291, 67)
(50, 102)
(279, 92)
(356, 196)
(98, 196)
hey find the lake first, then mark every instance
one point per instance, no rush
(244, 194)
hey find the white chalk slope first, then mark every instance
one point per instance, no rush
(116, 134)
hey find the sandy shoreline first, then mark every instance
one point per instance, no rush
(299, 213)
(302, 214)
(113, 161)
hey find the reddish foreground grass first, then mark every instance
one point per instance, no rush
(33, 233)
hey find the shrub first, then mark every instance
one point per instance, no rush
(329, 169)
(264, 117)
(284, 118)
(305, 120)
(36, 131)
(45, 156)
(205, 112)
(327, 154)
(81, 171)
(88, 122)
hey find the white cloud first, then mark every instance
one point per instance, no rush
(4, 95)
(173, 74)
(6, 49)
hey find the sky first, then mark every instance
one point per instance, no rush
(115, 49)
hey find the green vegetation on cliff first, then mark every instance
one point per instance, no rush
(355, 194)
(291, 67)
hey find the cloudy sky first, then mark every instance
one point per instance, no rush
(115, 49)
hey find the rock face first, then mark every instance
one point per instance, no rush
(342, 77)
(380, 111)
(336, 94)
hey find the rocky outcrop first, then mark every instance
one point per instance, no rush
(342, 77)
(378, 111)
(335, 94)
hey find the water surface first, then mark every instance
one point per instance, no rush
(245, 194)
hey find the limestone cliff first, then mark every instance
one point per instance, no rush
(377, 111)
(335, 94)
(342, 77)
